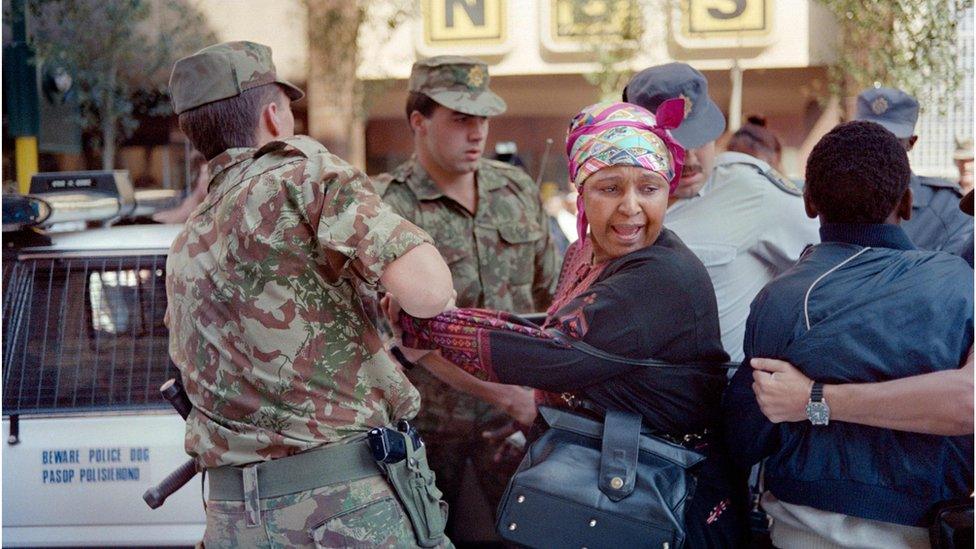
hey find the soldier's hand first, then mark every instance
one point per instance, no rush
(781, 390)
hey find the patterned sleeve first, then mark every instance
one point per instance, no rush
(351, 219)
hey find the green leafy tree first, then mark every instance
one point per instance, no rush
(116, 52)
(908, 44)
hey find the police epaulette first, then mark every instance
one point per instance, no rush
(781, 181)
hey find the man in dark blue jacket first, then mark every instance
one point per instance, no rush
(862, 306)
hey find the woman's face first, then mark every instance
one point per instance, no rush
(625, 208)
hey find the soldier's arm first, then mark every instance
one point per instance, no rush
(421, 281)
(379, 245)
(937, 403)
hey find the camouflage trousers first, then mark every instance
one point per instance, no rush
(361, 513)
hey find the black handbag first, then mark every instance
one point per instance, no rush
(952, 524)
(589, 484)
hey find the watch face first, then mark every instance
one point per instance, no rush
(818, 413)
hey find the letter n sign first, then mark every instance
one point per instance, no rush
(464, 22)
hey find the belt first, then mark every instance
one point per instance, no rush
(297, 473)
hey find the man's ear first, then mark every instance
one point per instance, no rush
(808, 205)
(904, 208)
(417, 122)
(911, 142)
(270, 119)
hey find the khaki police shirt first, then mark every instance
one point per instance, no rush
(266, 324)
(747, 226)
(501, 257)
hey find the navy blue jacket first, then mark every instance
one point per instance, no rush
(937, 224)
(891, 312)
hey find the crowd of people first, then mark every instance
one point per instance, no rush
(311, 306)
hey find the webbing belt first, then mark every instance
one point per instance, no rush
(297, 473)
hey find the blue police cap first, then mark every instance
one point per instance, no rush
(892, 108)
(703, 121)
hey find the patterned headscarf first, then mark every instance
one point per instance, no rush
(621, 134)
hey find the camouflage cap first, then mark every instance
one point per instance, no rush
(223, 71)
(458, 83)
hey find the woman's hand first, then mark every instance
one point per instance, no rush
(391, 310)
(781, 390)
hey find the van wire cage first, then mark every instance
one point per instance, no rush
(84, 334)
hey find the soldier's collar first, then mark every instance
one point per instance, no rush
(229, 158)
(424, 188)
(489, 179)
(419, 181)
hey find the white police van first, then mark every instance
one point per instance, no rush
(85, 350)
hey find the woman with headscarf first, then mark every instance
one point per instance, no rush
(629, 287)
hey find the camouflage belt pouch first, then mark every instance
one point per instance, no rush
(413, 482)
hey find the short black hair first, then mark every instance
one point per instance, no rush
(421, 103)
(857, 173)
(213, 128)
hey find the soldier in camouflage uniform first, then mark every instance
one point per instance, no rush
(487, 221)
(284, 370)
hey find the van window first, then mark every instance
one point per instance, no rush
(84, 334)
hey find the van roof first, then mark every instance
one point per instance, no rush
(155, 237)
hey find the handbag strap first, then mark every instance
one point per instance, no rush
(618, 455)
(584, 347)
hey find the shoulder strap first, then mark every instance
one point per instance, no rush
(647, 362)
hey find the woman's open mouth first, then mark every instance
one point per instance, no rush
(627, 232)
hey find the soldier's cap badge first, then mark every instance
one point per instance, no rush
(476, 76)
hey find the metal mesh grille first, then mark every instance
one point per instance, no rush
(938, 131)
(84, 334)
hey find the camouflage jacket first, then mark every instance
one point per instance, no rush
(266, 324)
(501, 258)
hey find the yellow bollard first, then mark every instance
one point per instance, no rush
(26, 157)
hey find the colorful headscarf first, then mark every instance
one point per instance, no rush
(621, 134)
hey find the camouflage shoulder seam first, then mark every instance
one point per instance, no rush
(381, 183)
(513, 173)
(304, 144)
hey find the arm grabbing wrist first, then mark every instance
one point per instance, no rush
(938, 403)
(517, 402)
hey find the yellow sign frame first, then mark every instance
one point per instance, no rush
(434, 13)
(711, 23)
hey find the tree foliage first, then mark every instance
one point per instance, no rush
(614, 36)
(115, 51)
(336, 31)
(908, 44)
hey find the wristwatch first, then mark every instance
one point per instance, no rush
(817, 410)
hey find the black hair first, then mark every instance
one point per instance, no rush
(421, 103)
(215, 127)
(755, 139)
(857, 173)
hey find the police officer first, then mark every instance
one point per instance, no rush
(487, 221)
(936, 223)
(744, 220)
(285, 373)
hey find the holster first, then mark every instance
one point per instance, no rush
(413, 482)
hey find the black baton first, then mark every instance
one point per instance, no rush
(156, 496)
